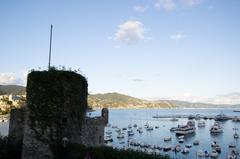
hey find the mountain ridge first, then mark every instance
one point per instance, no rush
(117, 100)
(12, 89)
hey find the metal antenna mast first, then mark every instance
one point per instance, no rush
(50, 48)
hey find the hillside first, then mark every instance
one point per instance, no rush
(116, 100)
(12, 89)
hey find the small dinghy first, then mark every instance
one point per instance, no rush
(167, 139)
(200, 153)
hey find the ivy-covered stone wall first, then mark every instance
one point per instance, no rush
(54, 99)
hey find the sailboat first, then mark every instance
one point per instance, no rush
(235, 135)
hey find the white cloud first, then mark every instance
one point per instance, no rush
(130, 32)
(177, 36)
(10, 78)
(191, 2)
(165, 4)
(140, 8)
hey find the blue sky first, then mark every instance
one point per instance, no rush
(143, 48)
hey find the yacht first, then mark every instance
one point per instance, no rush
(236, 119)
(216, 128)
(186, 129)
(221, 117)
(201, 124)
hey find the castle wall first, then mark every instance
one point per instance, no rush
(32, 147)
(93, 131)
(16, 126)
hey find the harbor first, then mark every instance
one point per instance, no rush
(216, 136)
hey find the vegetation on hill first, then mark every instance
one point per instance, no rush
(116, 100)
(12, 89)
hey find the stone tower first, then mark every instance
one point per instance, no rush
(55, 112)
(105, 115)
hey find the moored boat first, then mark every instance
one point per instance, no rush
(200, 153)
(186, 129)
(167, 138)
(196, 142)
(216, 128)
(201, 124)
(214, 154)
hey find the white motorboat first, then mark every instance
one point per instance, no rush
(185, 150)
(232, 145)
(218, 149)
(167, 148)
(114, 126)
(200, 153)
(235, 135)
(196, 142)
(121, 142)
(173, 128)
(135, 125)
(188, 145)
(216, 128)
(120, 135)
(221, 117)
(149, 128)
(167, 138)
(186, 129)
(130, 133)
(108, 132)
(118, 130)
(181, 141)
(232, 156)
(140, 131)
(201, 124)
(129, 126)
(214, 154)
(108, 139)
(214, 144)
(177, 148)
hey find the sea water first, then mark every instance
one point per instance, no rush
(123, 117)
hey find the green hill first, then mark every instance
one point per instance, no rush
(116, 100)
(12, 89)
